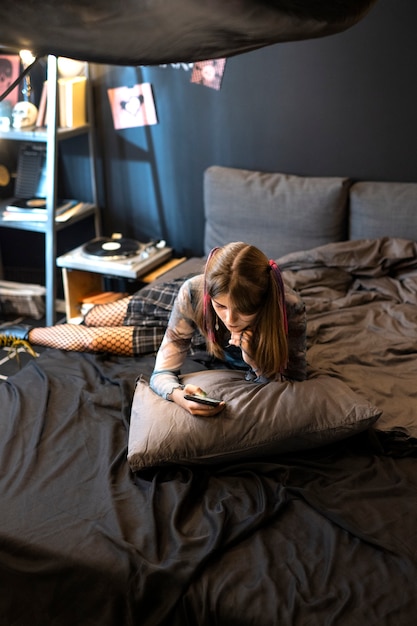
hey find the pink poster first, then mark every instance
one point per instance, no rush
(132, 106)
(9, 72)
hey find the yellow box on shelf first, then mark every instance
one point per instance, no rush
(72, 101)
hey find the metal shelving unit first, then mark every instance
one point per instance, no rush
(52, 135)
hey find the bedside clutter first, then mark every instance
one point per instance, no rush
(22, 299)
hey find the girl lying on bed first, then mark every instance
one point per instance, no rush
(239, 309)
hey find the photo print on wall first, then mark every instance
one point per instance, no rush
(209, 73)
(132, 106)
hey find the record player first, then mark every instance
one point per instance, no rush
(116, 256)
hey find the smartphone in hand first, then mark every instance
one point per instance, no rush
(202, 399)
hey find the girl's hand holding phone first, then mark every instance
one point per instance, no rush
(195, 401)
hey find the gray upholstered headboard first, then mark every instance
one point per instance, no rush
(276, 212)
(281, 213)
(383, 210)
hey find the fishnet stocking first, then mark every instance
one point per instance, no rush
(110, 314)
(115, 340)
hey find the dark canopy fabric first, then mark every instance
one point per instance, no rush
(149, 32)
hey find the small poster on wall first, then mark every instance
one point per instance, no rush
(209, 73)
(9, 72)
(132, 106)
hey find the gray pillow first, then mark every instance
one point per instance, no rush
(258, 419)
(383, 210)
(278, 213)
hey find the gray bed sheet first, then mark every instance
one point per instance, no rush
(361, 299)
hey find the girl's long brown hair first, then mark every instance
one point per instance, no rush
(254, 286)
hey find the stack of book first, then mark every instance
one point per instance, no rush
(72, 103)
(34, 210)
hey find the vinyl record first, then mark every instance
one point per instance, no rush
(108, 248)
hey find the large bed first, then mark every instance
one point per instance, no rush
(296, 506)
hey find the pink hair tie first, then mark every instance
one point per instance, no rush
(281, 289)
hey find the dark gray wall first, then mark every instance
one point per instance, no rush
(341, 105)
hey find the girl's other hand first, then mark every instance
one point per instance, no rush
(242, 340)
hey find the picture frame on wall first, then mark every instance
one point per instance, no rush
(9, 72)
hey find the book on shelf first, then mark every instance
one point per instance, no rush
(31, 178)
(72, 101)
(41, 118)
(63, 213)
(37, 205)
(79, 208)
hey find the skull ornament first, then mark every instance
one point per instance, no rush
(24, 114)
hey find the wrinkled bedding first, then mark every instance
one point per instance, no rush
(361, 299)
(321, 537)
